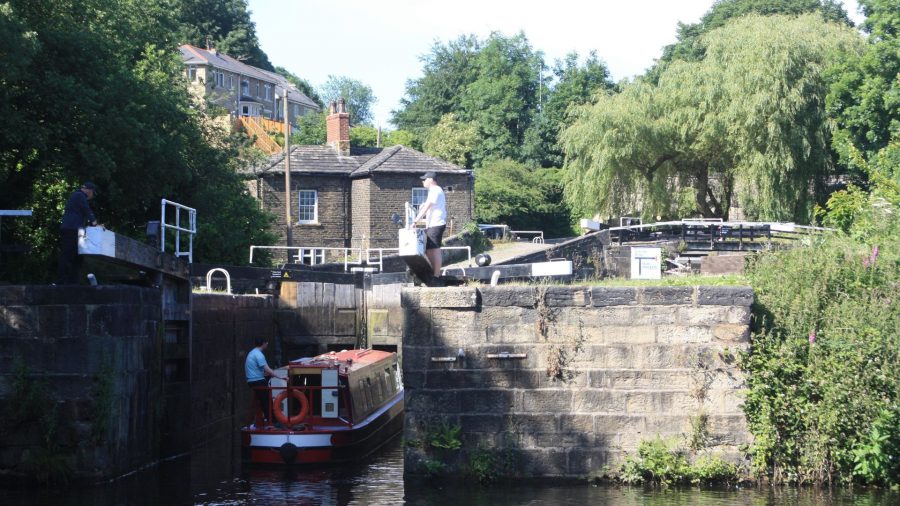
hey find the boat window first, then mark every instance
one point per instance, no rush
(366, 390)
(388, 381)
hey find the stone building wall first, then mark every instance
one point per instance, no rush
(590, 373)
(333, 227)
(389, 191)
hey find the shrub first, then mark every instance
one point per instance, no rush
(823, 386)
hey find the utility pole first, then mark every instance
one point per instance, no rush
(287, 171)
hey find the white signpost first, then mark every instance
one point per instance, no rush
(646, 263)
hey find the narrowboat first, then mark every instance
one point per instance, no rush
(332, 408)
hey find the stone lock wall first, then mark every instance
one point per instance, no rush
(93, 355)
(562, 381)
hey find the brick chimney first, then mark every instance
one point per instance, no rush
(337, 128)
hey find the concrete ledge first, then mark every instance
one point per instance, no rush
(725, 295)
(522, 296)
(439, 297)
(668, 295)
(625, 296)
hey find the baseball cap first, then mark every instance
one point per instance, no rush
(89, 186)
(428, 175)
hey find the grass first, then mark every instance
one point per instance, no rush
(692, 280)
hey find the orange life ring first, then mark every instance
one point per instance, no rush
(304, 407)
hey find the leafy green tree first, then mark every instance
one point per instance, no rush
(865, 98)
(452, 140)
(510, 192)
(301, 84)
(130, 126)
(402, 137)
(310, 129)
(689, 47)
(575, 85)
(747, 121)
(363, 136)
(225, 24)
(447, 71)
(357, 96)
(501, 101)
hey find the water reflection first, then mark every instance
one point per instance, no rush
(214, 477)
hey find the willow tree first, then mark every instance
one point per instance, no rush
(746, 124)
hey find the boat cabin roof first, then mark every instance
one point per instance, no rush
(345, 361)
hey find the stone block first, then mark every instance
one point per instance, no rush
(732, 333)
(426, 402)
(488, 401)
(533, 379)
(665, 425)
(630, 379)
(653, 315)
(625, 296)
(725, 295)
(616, 356)
(577, 424)
(739, 315)
(547, 401)
(487, 423)
(598, 401)
(702, 315)
(417, 327)
(521, 296)
(469, 378)
(666, 295)
(680, 334)
(644, 334)
(521, 423)
(19, 321)
(588, 461)
(601, 316)
(558, 296)
(414, 379)
(453, 297)
(555, 440)
(541, 462)
(510, 334)
(648, 402)
(618, 423)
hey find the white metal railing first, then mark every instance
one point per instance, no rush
(410, 213)
(209, 279)
(368, 256)
(468, 252)
(539, 239)
(191, 228)
(298, 256)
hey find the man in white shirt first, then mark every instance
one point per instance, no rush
(434, 210)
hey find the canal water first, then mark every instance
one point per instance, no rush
(214, 477)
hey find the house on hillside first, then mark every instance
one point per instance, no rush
(240, 88)
(344, 196)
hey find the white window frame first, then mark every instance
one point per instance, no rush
(245, 88)
(418, 197)
(311, 256)
(192, 74)
(301, 206)
(220, 79)
(268, 88)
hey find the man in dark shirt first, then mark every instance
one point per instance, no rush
(77, 213)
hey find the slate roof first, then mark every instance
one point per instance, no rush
(193, 55)
(362, 162)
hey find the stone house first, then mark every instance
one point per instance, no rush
(242, 89)
(343, 197)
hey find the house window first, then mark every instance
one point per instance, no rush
(419, 195)
(308, 206)
(230, 82)
(268, 92)
(245, 88)
(220, 79)
(192, 74)
(311, 256)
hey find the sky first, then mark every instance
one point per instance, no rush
(380, 43)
